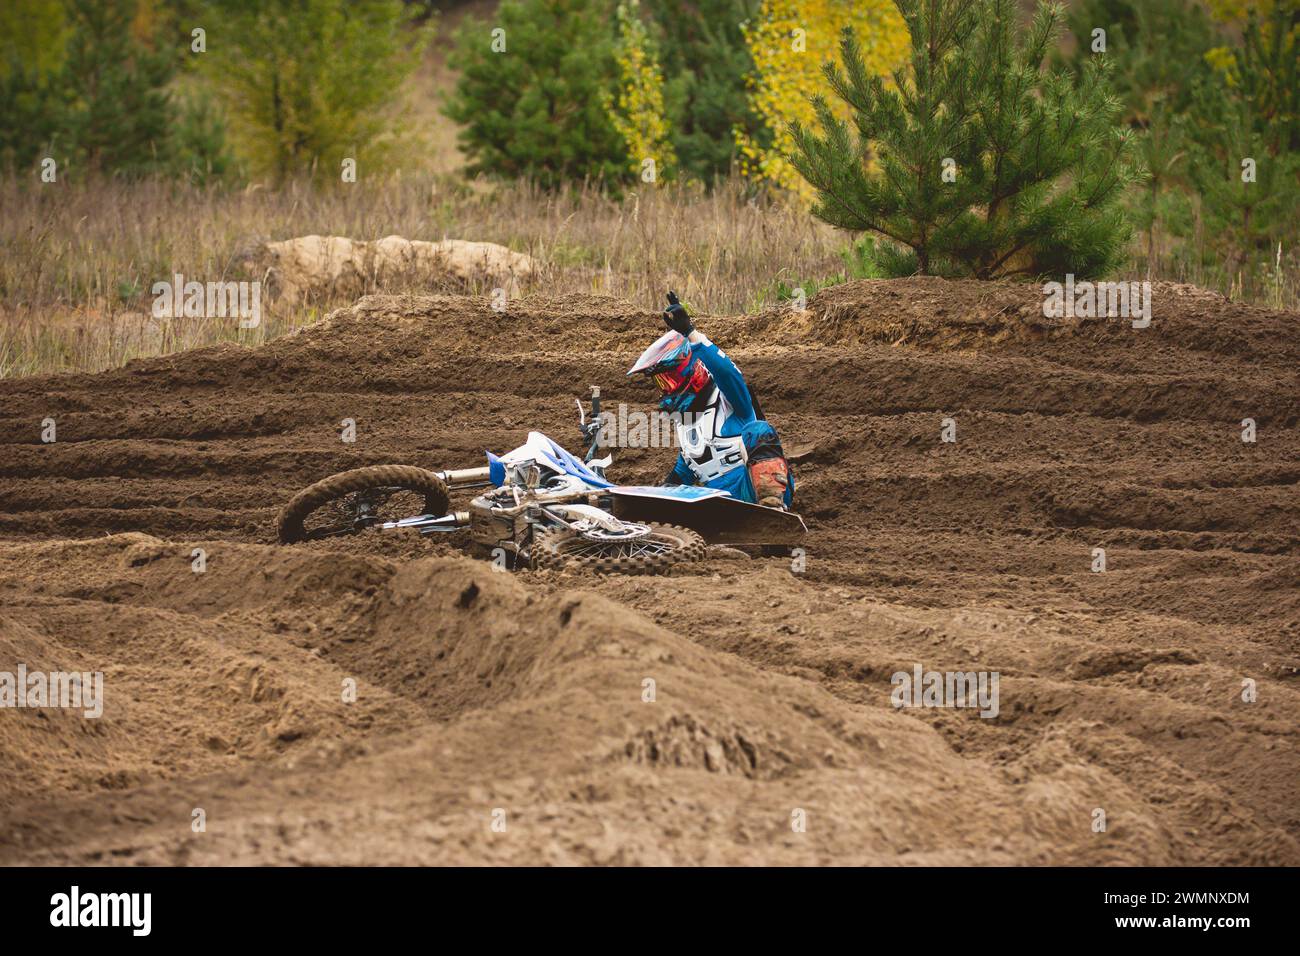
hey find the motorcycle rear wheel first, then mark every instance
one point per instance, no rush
(664, 547)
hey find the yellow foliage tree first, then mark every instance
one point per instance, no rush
(789, 43)
(639, 114)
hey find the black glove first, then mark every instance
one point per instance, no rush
(675, 316)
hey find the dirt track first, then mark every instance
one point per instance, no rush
(480, 691)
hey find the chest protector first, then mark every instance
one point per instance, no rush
(708, 454)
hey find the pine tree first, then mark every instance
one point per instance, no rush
(121, 116)
(33, 90)
(1157, 53)
(310, 83)
(200, 151)
(980, 162)
(706, 62)
(531, 93)
(1247, 161)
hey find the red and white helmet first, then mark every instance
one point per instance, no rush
(679, 375)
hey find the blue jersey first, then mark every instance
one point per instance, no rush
(717, 441)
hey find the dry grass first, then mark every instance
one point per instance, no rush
(1274, 281)
(78, 262)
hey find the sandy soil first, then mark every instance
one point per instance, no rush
(489, 697)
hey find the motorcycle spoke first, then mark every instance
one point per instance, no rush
(642, 546)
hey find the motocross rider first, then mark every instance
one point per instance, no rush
(724, 440)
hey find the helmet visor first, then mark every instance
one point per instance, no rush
(668, 382)
(683, 383)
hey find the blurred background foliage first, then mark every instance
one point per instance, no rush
(279, 92)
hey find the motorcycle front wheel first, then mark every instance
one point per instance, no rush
(352, 501)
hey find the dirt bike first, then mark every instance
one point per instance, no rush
(545, 508)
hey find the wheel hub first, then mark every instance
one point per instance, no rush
(630, 531)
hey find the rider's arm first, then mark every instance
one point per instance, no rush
(723, 370)
(728, 378)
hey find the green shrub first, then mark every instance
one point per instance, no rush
(534, 107)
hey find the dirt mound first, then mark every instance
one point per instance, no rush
(939, 313)
(186, 692)
(475, 692)
(388, 700)
(305, 265)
